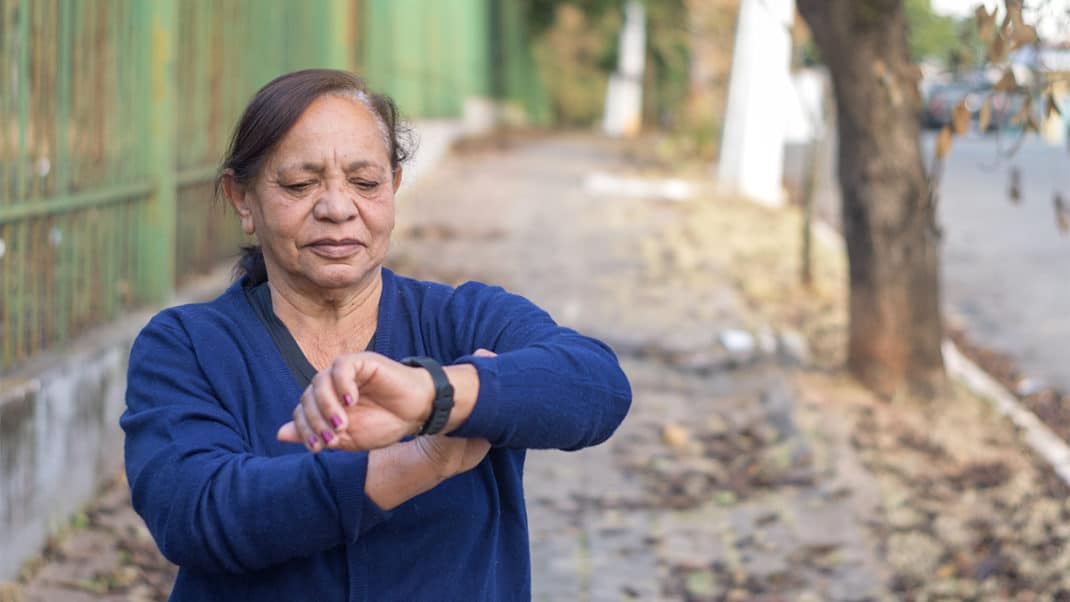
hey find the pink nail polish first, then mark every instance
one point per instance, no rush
(348, 399)
(336, 421)
(312, 441)
(327, 436)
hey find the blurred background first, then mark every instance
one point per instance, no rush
(827, 241)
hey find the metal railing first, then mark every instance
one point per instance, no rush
(114, 115)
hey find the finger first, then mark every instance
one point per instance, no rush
(329, 405)
(288, 433)
(310, 404)
(305, 434)
(344, 377)
(484, 353)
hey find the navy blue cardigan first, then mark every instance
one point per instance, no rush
(249, 518)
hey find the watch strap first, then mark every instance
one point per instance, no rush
(442, 404)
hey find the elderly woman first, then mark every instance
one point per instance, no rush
(327, 429)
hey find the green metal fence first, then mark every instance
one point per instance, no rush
(114, 115)
(431, 56)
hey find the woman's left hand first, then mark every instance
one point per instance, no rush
(362, 401)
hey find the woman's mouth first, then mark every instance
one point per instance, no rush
(335, 249)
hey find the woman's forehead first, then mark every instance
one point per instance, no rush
(336, 130)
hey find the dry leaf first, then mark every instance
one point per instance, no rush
(986, 23)
(1008, 82)
(960, 119)
(997, 49)
(943, 143)
(1052, 106)
(1014, 189)
(1025, 114)
(984, 118)
(1062, 220)
(1014, 12)
(1023, 36)
(675, 436)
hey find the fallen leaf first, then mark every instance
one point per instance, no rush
(675, 436)
(960, 119)
(997, 49)
(984, 118)
(1031, 125)
(1062, 220)
(986, 23)
(1024, 35)
(1014, 189)
(1007, 82)
(1052, 106)
(943, 143)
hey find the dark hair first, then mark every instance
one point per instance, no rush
(275, 109)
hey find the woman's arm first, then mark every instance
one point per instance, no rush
(548, 387)
(213, 505)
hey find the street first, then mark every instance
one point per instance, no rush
(1005, 264)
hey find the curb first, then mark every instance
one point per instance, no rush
(1036, 434)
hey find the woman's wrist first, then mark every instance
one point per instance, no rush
(464, 378)
(465, 381)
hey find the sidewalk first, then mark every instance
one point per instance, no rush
(712, 488)
(749, 468)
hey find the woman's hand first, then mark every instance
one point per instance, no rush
(365, 401)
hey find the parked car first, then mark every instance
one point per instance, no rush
(944, 98)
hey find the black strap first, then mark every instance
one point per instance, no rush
(442, 405)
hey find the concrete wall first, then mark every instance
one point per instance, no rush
(59, 439)
(59, 415)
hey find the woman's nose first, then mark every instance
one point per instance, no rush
(335, 205)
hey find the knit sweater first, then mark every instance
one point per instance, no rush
(247, 517)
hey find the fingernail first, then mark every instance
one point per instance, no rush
(348, 399)
(336, 421)
(327, 436)
(312, 441)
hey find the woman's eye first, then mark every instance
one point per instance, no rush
(364, 184)
(299, 186)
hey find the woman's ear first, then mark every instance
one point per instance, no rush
(397, 178)
(239, 198)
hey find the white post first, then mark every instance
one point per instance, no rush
(624, 98)
(752, 145)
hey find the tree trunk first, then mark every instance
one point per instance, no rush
(888, 219)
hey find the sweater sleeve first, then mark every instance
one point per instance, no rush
(549, 386)
(208, 501)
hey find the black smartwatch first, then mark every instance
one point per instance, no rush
(443, 402)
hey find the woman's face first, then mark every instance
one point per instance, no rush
(322, 206)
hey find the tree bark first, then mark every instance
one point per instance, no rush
(889, 222)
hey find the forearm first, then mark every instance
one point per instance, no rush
(225, 512)
(397, 474)
(546, 396)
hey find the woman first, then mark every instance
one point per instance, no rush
(412, 489)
